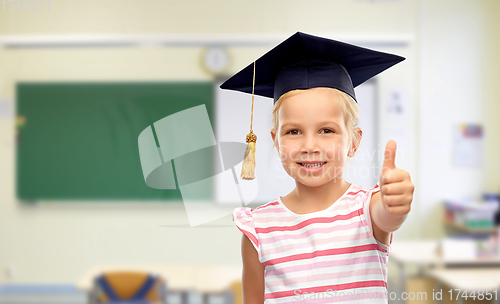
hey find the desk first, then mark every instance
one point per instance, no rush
(419, 253)
(425, 255)
(178, 277)
(469, 279)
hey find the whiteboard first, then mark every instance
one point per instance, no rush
(363, 169)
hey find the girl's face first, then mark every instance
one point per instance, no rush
(312, 129)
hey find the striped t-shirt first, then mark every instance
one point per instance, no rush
(327, 256)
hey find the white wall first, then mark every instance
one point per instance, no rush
(457, 48)
(54, 242)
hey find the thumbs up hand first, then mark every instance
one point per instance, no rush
(396, 188)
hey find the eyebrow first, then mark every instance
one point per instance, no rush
(319, 123)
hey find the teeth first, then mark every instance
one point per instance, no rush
(317, 165)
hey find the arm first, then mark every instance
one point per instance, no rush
(253, 274)
(383, 223)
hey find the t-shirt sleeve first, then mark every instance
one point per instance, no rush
(242, 217)
(366, 210)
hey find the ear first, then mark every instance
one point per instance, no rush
(275, 140)
(356, 141)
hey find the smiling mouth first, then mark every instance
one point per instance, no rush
(316, 165)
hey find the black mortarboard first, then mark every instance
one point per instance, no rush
(302, 62)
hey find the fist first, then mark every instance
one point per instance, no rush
(396, 188)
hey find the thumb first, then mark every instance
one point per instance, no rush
(390, 155)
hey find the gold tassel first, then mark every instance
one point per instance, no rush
(248, 170)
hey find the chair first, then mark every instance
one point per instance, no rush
(221, 297)
(237, 288)
(120, 287)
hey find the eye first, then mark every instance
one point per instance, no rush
(329, 130)
(291, 132)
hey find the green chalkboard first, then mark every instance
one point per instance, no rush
(79, 141)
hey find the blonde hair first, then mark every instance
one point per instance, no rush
(350, 109)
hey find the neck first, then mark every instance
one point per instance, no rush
(311, 199)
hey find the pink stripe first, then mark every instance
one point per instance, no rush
(267, 205)
(284, 237)
(280, 209)
(263, 220)
(270, 210)
(350, 198)
(352, 193)
(317, 242)
(361, 284)
(325, 264)
(312, 232)
(326, 276)
(250, 236)
(326, 252)
(308, 222)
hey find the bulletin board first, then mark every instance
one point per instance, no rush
(79, 141)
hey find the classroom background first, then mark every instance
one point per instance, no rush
(66, 217)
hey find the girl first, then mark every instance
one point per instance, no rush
(328, 240)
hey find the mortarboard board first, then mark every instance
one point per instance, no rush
(302, 62)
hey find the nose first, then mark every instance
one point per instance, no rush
(310, 144)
